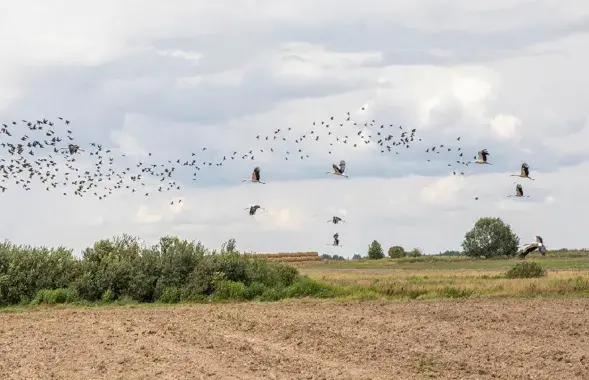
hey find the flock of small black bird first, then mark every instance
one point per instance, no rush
(47, 151)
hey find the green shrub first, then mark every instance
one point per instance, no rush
(107, 296)
(229, 290)
(307, 287)
(171, 294)
(254, 291)
(273, 294)
(55, 296)
(396, 252)
(526, 269)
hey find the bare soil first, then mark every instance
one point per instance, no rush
(472, 339)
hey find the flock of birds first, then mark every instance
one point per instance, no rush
(47, 151)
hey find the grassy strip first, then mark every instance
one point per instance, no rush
(561, 260)
(408, 288)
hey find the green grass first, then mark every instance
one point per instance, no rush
(561, 260)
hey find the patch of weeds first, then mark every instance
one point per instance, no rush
(55, 296)
(455, 292)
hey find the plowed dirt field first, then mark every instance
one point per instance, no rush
(472, 339)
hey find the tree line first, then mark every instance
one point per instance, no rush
(489, 237)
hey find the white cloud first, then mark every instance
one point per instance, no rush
(143, 216)
(444, 192)
(187, 55)
(175, 78)
(505, 126)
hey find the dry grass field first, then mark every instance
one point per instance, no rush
(448, 339)
(288, 257)
(451, 277)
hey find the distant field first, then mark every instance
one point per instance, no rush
(453, 276)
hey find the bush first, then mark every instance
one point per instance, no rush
(307, 287)
(526, 269)
(171, 294)
(254, 291)
(122, 270)
(55, 296)
(229, 290)
(396, 252)
(490, 237)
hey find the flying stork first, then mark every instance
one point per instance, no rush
(72, 149)
(336, 239)
(482, 158)
(254, 209)
(529, 248)
(525, 172)
(255, 176)
(336, 220)
(519, 192)
(339, 170)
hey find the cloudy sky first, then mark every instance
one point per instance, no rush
(171, 78)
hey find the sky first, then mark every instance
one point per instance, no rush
(171, 78)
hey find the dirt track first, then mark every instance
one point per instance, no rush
(478, 339)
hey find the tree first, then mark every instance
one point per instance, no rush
(375, 251)
(229, 246)
(357, 257)
(490, 237)
(396, 252)
(325, 256)
(415, 252)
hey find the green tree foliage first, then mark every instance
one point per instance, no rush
(229, 246)
(451, 253)
(396, 252)
(122, 269)
(490, 237)
(325, 256)
(375, 251)
(356, 256)
(415, 252)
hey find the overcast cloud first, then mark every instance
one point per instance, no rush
(173, 77)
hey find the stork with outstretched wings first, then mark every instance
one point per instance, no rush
(525, 172)
(519, 192)
(253, 209)
(336, 220)
(339, 170)
(529, 248)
